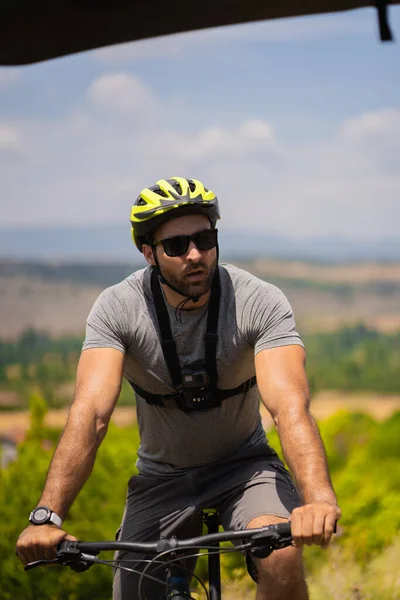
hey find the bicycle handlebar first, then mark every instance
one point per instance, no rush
(81, 555)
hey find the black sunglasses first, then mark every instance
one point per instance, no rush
(178, 244)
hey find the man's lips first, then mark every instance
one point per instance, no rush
(195, 275)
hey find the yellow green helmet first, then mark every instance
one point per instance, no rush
(167, 199)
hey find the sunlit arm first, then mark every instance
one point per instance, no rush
(283, 386)
(97, 389)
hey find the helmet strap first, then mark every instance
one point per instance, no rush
(164, 281)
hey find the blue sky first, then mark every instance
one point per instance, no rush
(295, 124)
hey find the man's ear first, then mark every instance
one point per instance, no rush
(148, 254)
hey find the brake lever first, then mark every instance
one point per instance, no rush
(68, 554)
(42, 561)
(262, 547)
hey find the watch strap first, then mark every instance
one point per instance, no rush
(55, 519)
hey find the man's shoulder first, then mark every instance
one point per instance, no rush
(233, 271)
(129, 288)
(243, 285)
(238, 276)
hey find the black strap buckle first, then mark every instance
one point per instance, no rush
(197, 400)
(211, 337)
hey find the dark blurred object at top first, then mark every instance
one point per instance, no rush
(35, 31)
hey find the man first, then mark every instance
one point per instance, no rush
(192, 337)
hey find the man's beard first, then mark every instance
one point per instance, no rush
(187, 287)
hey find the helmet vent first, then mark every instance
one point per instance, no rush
(141, 202)
(161, 192)
(177, 187)
(192, 185)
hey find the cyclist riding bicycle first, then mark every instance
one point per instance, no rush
(200, 343)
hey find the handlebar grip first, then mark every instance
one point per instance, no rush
(284, 529)
(64, 545)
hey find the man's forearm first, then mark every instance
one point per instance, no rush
(305, 454)
(73, 460)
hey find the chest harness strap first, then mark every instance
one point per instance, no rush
(196, 388)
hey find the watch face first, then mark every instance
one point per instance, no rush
(41, 515)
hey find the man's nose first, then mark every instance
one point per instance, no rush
(193, 253)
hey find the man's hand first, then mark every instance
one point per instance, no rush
(39, 542)
(314, 524)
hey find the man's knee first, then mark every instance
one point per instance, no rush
(280, 575)
(284, 565)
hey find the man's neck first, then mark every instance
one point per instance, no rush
(174, 299)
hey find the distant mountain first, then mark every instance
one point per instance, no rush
(112, 243)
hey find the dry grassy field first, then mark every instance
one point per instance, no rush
(324, 297)
(56, 307)
(324, 405)
(353, 273)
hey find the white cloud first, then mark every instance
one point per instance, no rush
(381, 124)
(257, 130)
(215, 142)
(120, 92)
(373, 139)
(90, 166)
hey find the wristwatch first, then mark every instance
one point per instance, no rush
(42, 515)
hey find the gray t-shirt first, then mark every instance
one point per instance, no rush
(254, 315)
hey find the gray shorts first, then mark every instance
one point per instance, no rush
(249, 484)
